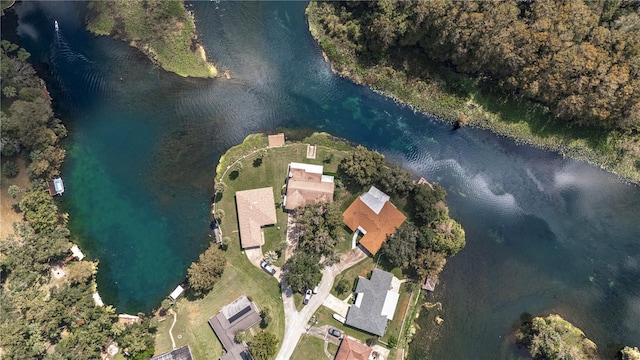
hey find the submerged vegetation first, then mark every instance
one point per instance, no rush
(526, 70)
(163, 30)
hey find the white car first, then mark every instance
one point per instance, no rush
(307, 297)
(267, 267)
(315, 290)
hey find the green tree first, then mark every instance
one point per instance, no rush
(343, 286)
(39, 210)
(204, 273)
(422, 203)
(428, 262)
(265, 314)
(79, 272)
(9, 91)
(302, 271)
(10, 169)
(240, 337)
(270, 257)
(361, 167)
(137, 339)
(400, 247)
(554, 338)
(263, 346)
(14, 191)
(446, 236)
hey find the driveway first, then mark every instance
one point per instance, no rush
(336, 305)
(295, 323)
(255, 257)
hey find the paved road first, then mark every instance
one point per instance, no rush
(295, 323)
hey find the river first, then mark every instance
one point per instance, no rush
(544, 234)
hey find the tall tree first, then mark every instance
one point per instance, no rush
(204, 273)
(302, 271)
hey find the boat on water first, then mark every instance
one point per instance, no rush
(55, 23)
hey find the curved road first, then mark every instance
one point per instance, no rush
(295, 323)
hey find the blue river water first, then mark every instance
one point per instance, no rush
(544, 234)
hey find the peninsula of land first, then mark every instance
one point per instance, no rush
(523, 70)
(164, 30)
(330, 244)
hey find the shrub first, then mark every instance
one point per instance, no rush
(10, 169)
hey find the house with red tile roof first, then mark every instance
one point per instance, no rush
(373, 215)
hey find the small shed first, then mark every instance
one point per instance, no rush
(276, 140)
(127, 319)
(56, 186)
(175, 294)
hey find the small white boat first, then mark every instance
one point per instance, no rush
(55, 23)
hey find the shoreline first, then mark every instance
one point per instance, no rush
(576, 148)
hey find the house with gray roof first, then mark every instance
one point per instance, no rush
(181, 353)
(240, 315)
(375, 303)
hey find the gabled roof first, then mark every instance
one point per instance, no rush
(239, 315)
(182, 353)
(307, 185)
(352, 349)
(376, 215)
(256, 208)
(375, 303)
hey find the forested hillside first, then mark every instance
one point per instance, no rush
(578, 61)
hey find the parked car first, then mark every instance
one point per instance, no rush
(307, 297)
(335, 332)
(267, 267)
(315, 290)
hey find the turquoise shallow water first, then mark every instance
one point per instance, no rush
(544, 234)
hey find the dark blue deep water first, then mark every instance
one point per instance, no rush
(544, 234)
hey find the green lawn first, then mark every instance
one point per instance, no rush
(325, 317)
(240, 276)
(363, 268)
(393, 327)
(312, 348)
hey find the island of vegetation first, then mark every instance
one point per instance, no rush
(47, 304)
(307, 245)
(559, 75)
(162, 29)
(553, 337)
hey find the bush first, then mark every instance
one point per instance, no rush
(393, 342)
(372, 340)
(343, 286)
(10, 169)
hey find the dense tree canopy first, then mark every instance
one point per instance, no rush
(263, 346)
(317, 226)
(204, 273)
(554, 338)
(580, 58)
(362, 167)
(302, 271)
(400, 247)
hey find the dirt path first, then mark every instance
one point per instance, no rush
(8, 215)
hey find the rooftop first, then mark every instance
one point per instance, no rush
(307, 185)
(352, 349)
(181, 353)
(276, 140)
(375, 303)
(376, 215)
(256, 208)
(239, 315)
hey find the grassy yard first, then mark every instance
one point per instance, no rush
(393, 327)
(312, 348)
(240, 276)
(324, 315)
(363, 268)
